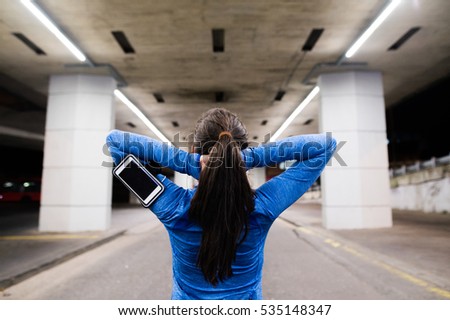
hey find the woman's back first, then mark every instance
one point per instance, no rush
(217, 243)
(189, 281)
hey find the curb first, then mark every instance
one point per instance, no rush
(8, 282)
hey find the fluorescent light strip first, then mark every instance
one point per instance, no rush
(295, 113)
(45, 20)
(378, 21)
(140, 115)
(350, 52)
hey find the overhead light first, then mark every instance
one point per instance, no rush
(316, 33)
(159, 97)
(140, 115)
(20, 133)
(123, 41)
(218, 36)
(378, 21)
(30, 44)
(295, 113)
(312, 39)
(46, 21)
(404, 38)
(280, 95)
(219, 96)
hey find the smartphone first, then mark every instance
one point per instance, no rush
(138, 180)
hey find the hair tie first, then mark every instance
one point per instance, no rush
(228, 133)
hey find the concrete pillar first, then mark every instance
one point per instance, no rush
(76, 189)
(183, 180)
(257, 177)
(356, 193)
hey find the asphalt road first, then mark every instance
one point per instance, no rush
(299, 264)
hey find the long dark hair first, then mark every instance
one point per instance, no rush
(224, 198)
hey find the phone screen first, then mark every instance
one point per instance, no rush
(138, 180)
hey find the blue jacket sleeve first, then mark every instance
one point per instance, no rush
(171, 203)
(311, 152)
(146, 149)
(121, 143)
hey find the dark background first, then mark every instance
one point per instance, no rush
(417, 127)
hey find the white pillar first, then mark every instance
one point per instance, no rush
(76, 189)
(356, 194)
(256, 177)
(183, 180)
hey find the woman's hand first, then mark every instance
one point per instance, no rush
(203, 160)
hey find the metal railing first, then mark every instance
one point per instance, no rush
(419, 165)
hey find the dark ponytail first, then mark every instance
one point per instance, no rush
(224, 198)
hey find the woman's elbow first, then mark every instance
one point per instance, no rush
(113, 137)
(332, 143)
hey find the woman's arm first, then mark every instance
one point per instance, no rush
(167, 206)
(301, 147)
(121, 143)
(312, 153)
(146, 149)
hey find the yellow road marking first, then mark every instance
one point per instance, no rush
(391, 269)
(439, 291)
(354, 252)
(332, 243)
(304, 230)
(402, 274)
(49, 237)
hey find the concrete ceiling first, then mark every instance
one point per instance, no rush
(174, 56)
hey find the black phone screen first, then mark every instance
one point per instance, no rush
(138, 180)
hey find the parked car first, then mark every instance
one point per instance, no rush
(20, 190)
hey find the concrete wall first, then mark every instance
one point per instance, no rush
(427, 190)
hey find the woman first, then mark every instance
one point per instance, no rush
(218, 229)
